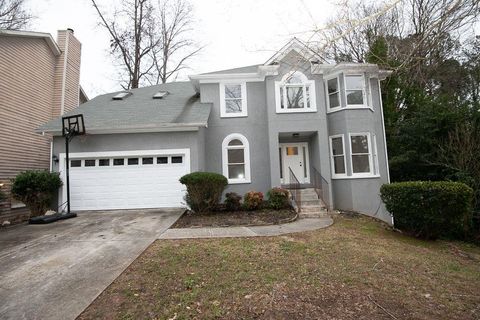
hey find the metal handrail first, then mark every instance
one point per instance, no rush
(320, 185)
(294, 187)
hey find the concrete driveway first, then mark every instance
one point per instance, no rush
(55, 271)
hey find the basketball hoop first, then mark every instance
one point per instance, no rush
(71, 126)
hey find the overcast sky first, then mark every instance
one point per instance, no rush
(235, 33)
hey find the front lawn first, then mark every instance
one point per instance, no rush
(235, 218)
(355, 269)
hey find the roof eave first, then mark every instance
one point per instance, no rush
(143, 129)
(30, 34)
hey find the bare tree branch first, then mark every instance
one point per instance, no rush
(13, 15)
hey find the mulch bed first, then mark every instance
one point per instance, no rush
(235, 218)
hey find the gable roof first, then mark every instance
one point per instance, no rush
(30, 34)
(247, 69)
(298, 46)
(179, 110)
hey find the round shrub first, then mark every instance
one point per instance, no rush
(278, 198)
(232, 201)
(204, 190)
(36, 189)
(253, 200)
(429, 209)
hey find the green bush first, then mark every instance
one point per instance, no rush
(36, 189)
(232, 201)
(253, 200)
(430, 209)
(278, 198)
(204, 190)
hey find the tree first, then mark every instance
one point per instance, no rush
(13, 15)
(149, 42)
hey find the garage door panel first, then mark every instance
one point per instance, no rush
(128, 186)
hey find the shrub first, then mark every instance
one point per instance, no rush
(204, 190)
(430, 209)
(36, 189)
(278, 198)
(232, 201)
(253, 200)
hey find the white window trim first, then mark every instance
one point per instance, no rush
(246, 148)
(364, 105)
(329, 110)
(376, 169)
(366, 91)
(306, 82)
(332, 162)
(370, 160)
(223, 111)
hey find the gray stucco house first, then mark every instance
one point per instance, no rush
(292, 118)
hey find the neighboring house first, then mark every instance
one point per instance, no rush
(39, 81)
(291, 118)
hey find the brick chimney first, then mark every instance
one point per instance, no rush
(67, 73)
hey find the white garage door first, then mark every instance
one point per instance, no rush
(127, 181)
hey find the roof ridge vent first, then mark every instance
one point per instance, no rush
(121, 95)
(160, 94)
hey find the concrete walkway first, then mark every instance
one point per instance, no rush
(257, 231)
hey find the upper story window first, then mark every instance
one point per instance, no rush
(295, 93)
(356, 92)
(236, 158)
(233, 100)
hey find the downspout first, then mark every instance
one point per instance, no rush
(64, 79)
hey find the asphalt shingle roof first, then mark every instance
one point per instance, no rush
(248, 69)
(181, 107)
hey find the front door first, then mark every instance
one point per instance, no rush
(295, 157)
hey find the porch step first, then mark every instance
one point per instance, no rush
(312, 206)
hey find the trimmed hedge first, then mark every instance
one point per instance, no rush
(36, 189)
(204, 190)
(430, 209)
(278, 198)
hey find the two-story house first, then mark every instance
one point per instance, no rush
(290, 120)
(39, 81)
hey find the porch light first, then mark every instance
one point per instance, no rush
(296, 134)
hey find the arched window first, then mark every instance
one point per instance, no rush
(295, 93)
(236, 158)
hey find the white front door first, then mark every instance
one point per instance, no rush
(295, 157)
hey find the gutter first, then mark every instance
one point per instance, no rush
(145, 129)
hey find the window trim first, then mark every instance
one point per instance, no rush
(370, 158)
(223, 110)
(306, 82)
(366, 91)
(327, 95)
(332, 162)
(246, 155)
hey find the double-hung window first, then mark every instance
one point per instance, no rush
(361, 154)
(236, 158)
(295, 93)
(233, 100)
(337, 152)
(333, 92)
(355, 90)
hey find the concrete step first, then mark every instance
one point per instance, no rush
(313, 209)
(320, 214)
(312, 202)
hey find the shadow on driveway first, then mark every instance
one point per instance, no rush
(55, 271)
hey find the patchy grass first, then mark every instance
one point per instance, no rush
(236, 218)
(356, 269)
